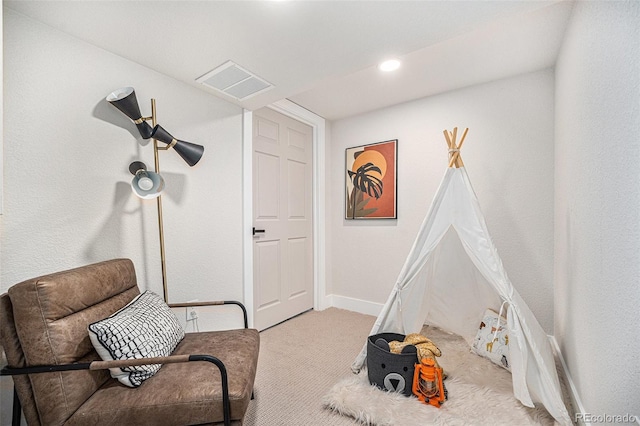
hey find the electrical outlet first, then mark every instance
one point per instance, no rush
(190, 313)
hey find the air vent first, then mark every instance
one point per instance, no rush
(235, 81)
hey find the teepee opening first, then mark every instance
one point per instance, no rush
(450, 271)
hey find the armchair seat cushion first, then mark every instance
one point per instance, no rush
(181, 385)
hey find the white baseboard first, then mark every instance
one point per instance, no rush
(573, 392)
(356, 305)
(324, 303)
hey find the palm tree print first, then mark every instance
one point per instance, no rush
(365, 181)
(366, 176)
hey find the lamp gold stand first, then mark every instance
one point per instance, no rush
(156, 163)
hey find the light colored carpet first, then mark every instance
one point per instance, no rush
(304, 367)
(300, 360)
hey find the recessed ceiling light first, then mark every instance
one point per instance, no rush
(390, 65)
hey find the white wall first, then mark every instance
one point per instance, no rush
(1, 122)
(67, 153)
(597, 213)
(508, 154)
(66, 183)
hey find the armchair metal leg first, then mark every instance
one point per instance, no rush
(17, 409)
(226, 403)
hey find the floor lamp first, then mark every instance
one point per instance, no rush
(146, 184)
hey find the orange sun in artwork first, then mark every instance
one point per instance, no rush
(373, 157)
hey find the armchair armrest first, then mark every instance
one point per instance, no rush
(103, 365)
(216, 303)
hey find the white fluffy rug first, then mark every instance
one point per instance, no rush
(479, 393)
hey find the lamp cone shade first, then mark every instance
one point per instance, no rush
(191, 153)
(145, 184)
(125, 100)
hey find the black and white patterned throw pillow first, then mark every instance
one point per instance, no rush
(144, 328)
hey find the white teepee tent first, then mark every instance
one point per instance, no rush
(453, 274)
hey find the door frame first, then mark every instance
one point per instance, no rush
(318, 124)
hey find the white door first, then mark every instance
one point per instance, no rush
(282, 218)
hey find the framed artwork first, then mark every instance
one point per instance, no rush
(371, 181)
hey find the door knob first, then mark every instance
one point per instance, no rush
(257, 231)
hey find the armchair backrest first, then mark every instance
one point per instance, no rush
(48, 325)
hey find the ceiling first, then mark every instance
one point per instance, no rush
(322, 55)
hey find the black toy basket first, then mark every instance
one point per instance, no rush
(389, 371)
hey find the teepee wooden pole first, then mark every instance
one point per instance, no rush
(464, 135)
(448, 138)
(456, 158)
(451, 142)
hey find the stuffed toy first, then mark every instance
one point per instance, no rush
(425, 348)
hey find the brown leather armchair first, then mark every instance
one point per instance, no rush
(59, 378)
